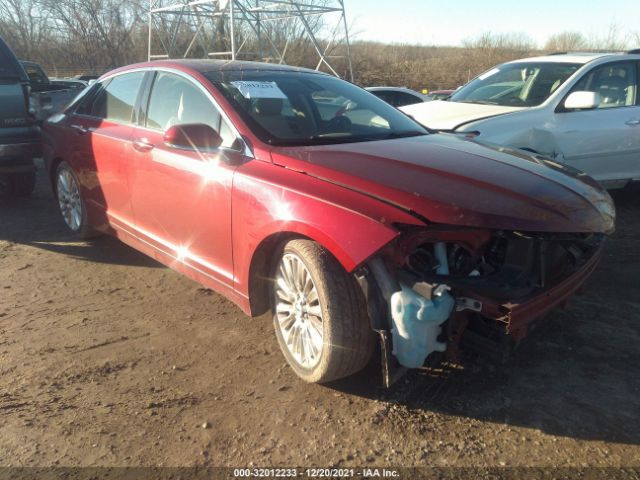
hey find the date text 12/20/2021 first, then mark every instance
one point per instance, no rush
(315, 472)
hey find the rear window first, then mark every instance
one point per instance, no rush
(36, 74)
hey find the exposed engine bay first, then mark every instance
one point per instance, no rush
(455, 290)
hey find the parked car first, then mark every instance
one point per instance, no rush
(19, 134)
(48, 97)
(399, 96)
(440, 94)
(582, 110)
(346, 223)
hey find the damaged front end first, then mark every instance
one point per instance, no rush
(450, 289)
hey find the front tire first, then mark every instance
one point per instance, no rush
(70, 202)
(320, 315)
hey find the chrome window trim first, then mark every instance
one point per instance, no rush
(94, 85)
(246, 150)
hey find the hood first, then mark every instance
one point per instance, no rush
(449, 180)
(441, 115)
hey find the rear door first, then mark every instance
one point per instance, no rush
(604, 142)
(182, 197)
(99, 132)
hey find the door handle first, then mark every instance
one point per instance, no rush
(80, 130)
(633, 123)
(142, 145)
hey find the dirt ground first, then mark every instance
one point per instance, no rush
(108, 358)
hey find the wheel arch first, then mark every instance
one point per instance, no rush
(349, 255)
(51, 167)
(260, 270)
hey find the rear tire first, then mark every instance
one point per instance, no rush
(320, 314)
(71, 203)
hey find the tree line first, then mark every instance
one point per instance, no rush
(92, 36)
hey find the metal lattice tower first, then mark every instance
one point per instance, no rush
(261, 30)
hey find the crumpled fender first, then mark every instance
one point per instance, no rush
(270, 200)
(536, 139)
(501, 130)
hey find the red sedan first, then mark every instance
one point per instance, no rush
(293, 191)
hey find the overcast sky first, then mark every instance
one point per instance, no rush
(431, 22)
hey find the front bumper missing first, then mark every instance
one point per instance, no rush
(510, 320)
(517, 316)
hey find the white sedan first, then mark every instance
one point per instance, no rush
(582, 110)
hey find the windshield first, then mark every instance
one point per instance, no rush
(516, 84)
(296, 108)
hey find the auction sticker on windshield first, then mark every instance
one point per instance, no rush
(251, 90)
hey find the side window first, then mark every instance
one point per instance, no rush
(616, 83)
(403, 98)
(115, 100)
(175, 100)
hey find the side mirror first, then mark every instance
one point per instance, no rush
(582, 101)
(194, 136)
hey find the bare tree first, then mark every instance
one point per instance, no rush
(565, 42)
(97, 32)
(614, 39)
(491, 42)
(24, 27)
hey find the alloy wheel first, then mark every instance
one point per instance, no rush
(69, 199)
(298, 311)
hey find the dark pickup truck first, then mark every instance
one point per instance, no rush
(48, 96)
(19, 132)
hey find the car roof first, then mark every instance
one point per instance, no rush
(206, 66)
(576, 57)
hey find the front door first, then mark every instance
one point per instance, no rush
(182, 197)
(605, 142)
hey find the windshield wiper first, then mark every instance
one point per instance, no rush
(480, 102)
(329, 139)
(410, 133)
(317, 140)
